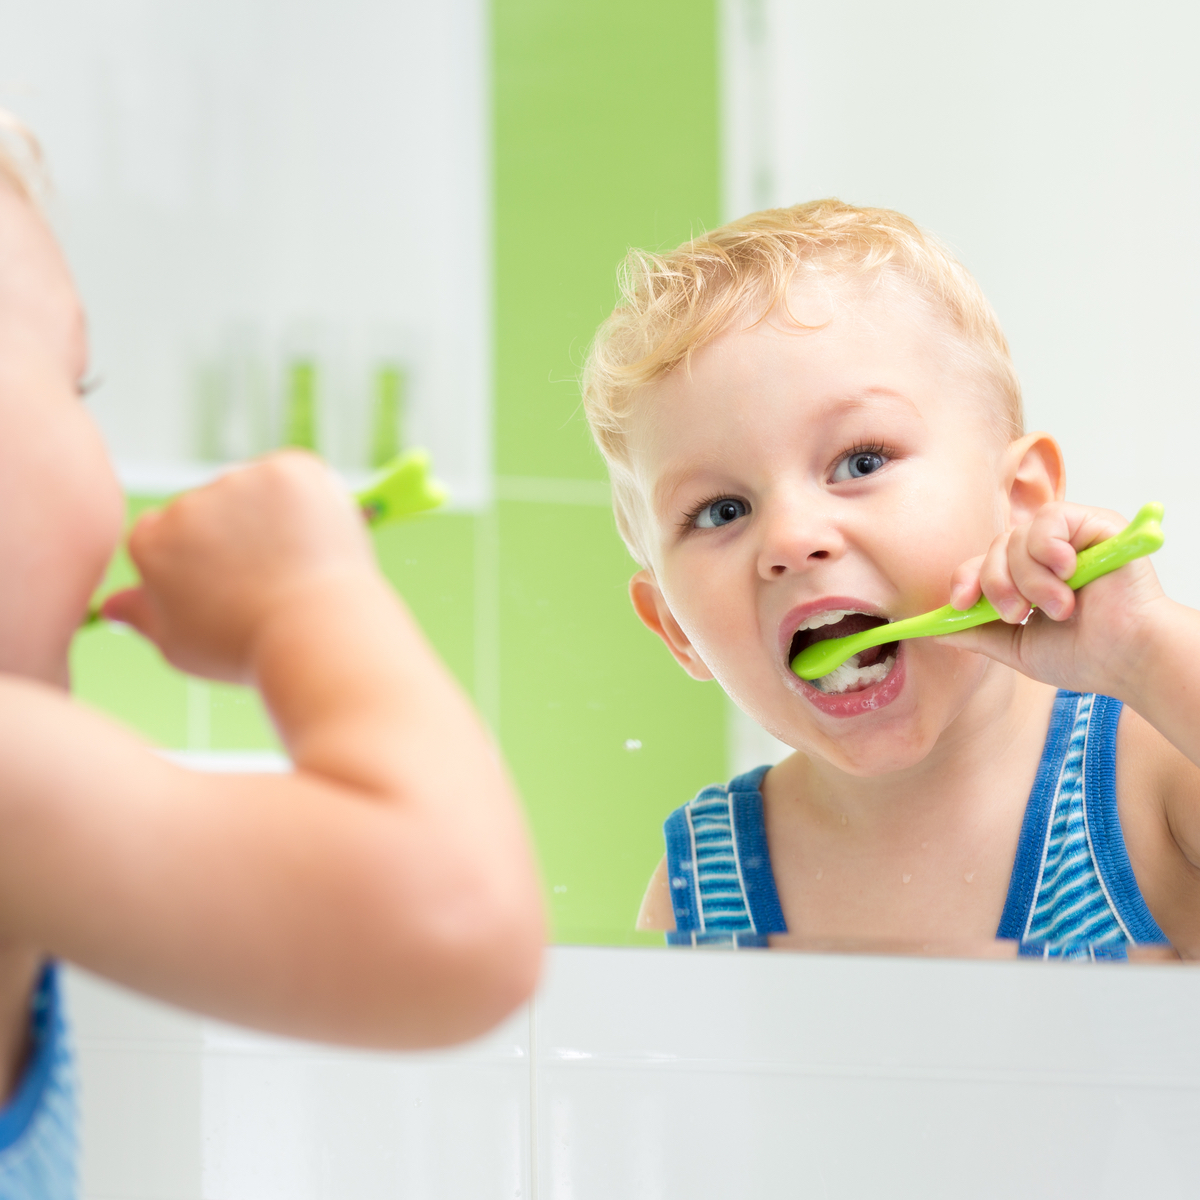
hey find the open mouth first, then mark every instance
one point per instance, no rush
(862, 670)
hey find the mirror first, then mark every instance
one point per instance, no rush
(366, 224)
(1017, 139)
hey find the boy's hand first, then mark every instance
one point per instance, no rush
(1090, 641)
(219, 562)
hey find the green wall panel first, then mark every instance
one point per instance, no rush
(606, 132)
(114, 670)
(606, 137)
(430, 561)
(604, 732)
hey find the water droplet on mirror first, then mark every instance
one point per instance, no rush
(632, 744)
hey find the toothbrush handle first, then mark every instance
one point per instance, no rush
(1143, 535)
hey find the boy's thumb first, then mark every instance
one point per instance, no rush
(996, 639)
(132, 606)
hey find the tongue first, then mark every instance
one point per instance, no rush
(870, 656)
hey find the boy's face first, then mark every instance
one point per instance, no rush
(61, 505)
(792, 474)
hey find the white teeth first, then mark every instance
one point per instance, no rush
(850, 677)
(825, 618)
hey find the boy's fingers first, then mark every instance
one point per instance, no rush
(1061, 529)
(997, 582)
(141, 536)
(1092, 525)
(1037, 581)
(964, 584)
(1043, 554)
(1048, 541)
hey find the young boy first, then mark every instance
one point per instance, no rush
(813, 426)
(382, 894)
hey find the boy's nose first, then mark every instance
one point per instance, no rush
(797, 541)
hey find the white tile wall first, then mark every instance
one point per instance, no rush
(287, 1121)
(242, 182)
(651, 1075)
(1026, 135)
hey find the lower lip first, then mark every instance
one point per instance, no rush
(855, 704)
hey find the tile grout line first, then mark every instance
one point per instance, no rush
(533, 1099)
(536, 489)
(487, 619)
(198, 700)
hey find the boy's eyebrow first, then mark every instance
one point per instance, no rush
(863, 398)
(668, 483)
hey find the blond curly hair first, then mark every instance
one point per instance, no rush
(673, 304)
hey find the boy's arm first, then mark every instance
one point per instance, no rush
(1162, 682)
(657, 912)
(383, 894)
(1163, 689)
(1119, 636)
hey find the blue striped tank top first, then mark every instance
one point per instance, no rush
(1072, 893)
(38, 1138)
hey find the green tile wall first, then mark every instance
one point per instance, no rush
(605, 136)
(603, 731)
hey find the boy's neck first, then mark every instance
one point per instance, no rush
(1005, 721)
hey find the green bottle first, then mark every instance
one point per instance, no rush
(387, 413)
(300, 406)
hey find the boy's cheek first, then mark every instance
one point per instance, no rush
(85, 511)
(930, 558)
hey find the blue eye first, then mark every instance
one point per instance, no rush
(858, 465)
(720, 512)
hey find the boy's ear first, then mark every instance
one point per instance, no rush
(651, 607)
(1035, 474)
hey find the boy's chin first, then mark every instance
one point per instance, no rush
(901, 734)
(872, 757)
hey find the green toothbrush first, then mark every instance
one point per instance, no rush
(402, 488)
(1143, 535)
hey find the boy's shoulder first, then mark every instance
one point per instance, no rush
(711, 813)
(718, 866)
